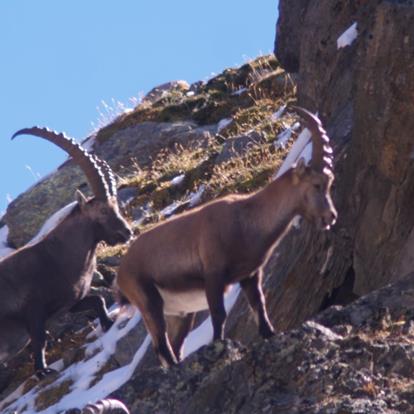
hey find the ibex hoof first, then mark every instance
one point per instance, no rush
(106, 325)
(267, 333)
(45, 372)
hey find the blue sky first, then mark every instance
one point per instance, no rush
(60, 59)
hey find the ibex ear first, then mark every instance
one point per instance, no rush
(80, 198)
(299, 171)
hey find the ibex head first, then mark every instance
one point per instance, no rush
(103, 208)
(314, 181)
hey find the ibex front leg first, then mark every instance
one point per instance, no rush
(252, 288)
(215, 300)
(97, 305)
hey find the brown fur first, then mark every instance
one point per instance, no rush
(214, 246)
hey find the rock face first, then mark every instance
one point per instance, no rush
(357, 359)
(353, 359)
(364, 93)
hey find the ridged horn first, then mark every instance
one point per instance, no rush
(87, 162)
(321, 149)
(109, 176)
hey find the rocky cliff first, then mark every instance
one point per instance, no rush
(231, 134)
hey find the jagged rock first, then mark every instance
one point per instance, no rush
(367, 105)
(236, 146)
(159, 91)
(141, 143)
(318, 368)
(126, 194)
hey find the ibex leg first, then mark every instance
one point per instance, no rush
(97, 305)
(178, 328)
(37, 332)
(252, 288)
(215, 300)
(149, 301)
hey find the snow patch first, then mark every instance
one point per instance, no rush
(348, 36)
(276, 115)
(89, 143)
(196, 197)
(295, 152)
(283, 138)
(170, 209)
(84, 372)
(239, 91)
(53, 221)
(177, 180)
(224, 123)
(5, 250)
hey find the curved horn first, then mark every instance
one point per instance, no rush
(321, 150)
(108, 175)
(86, 161)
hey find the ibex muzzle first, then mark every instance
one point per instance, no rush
(187, 263)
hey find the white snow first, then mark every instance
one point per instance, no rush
(223, 124)
(276, 115)
(196, 197)
(306, 154)
(89, 143)
(170, 209)
(5, 250)
(283, 138)
(348, 36)
(190, 93)
(177, 180)
(239, 91)
(83, 373)
(295, 152)
(53, 221)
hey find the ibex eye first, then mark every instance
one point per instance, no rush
(318, 187)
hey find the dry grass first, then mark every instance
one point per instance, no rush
(250, 111)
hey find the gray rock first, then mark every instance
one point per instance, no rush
(161, 90)
(239, 145)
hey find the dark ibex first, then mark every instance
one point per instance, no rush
(54, 274)
(186, 264)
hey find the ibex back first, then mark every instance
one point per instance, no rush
(187, 263)
(54, 273)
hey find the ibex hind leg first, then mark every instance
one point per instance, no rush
(13, 339)
(178, 328)
(215, 300)
(37, 332)
(252, 288)
(97, 305)
(149, 301)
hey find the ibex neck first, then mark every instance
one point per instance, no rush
(274, 208)
(74, 233)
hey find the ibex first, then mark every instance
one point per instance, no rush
(187, 263)
(54, 274)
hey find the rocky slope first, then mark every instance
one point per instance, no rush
(224, 136)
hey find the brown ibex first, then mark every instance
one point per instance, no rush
(186, 264)
(54, 274)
